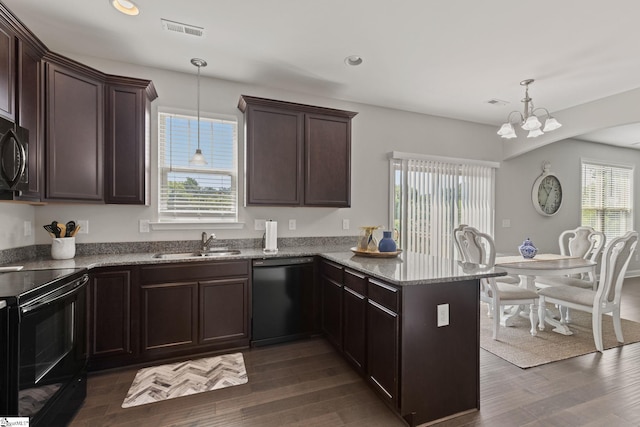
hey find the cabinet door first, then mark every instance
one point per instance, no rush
(354, 329)
(74, 137)
(7, 72)
(29, 114)
(110, 314)
(169, 316)
(125, 168)
(327, 180)
(332, 310)
(274, 156)
(382, 350)
(224, 310)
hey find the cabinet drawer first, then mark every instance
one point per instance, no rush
(166, 273)
(355, 281)
(385, 295)
(332, 271)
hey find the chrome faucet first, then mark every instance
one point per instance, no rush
(206, 242)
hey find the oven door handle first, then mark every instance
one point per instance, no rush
(76, 286)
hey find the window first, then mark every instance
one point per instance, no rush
(431, 196)
(606, 198)
(188, 192)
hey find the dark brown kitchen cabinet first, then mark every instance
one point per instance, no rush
(331, 284)
(30, 114)
(354, 318)
(128, 109)
(75, 131)
(196, 307)
(382, 339)
(7, 71)
(112, 318)
(296, 154)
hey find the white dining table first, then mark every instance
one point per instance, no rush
(543, 265)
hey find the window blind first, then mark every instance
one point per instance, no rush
(186, 191)
(606, 198)
(432, 197)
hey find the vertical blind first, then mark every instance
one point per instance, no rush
(432, 197)
(606, 198)
(188, 191)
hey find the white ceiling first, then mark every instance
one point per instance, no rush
(446, 58)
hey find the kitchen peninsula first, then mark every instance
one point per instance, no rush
(409, 324)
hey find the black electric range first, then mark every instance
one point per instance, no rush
(43, 364)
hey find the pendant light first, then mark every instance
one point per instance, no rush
(198, 158)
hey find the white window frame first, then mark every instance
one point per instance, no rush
(630, 222)
(168, 221)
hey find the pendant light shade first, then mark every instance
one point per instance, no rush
(198, 158)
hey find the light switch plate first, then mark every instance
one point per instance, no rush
(143, 225)
(443, 315)
(292, 224)
(259, 224)
(27, 228)
(345, 224)
(84, 226)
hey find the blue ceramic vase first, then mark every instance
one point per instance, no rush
(387, 244)
(527, 249)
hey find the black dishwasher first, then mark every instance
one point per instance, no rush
(282, 300)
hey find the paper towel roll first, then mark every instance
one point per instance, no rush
(271, 237)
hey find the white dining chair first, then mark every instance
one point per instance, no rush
(606, 298)
(583, 242)
(478, 248)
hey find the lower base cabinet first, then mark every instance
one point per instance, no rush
(153, 312)
(113, 338)
(423, 372)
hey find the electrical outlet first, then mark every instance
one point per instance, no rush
(443, 315)
(259, 224)
(345, 224)
(292, 224)
(27, 228)
(143, 226)
(84, 226)
(506, 223)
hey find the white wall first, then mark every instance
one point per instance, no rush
(12, 217)
(375, 132)
(514, 182)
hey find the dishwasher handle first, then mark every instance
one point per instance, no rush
(277, 262)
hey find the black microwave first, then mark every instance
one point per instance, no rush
(14, 157)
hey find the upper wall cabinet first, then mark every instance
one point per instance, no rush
(7, 71)
(74, 131)
(127, 140)
(296, 154)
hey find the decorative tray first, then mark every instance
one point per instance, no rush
(376, 254)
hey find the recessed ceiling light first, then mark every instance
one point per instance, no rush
(125, 6)
(353, 60)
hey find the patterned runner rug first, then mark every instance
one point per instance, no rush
(184, 378)
(517, 346)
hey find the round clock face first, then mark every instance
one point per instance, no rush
(547, 194)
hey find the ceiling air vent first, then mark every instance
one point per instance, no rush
(497, 102)
(178, 27)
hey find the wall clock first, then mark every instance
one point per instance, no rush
(546, 194)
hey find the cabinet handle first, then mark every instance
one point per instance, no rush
(385, 309)
(354, 293)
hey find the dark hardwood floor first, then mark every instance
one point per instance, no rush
(307, 383)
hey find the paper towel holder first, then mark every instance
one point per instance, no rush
(270, 243)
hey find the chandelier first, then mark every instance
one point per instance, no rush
(529, 121)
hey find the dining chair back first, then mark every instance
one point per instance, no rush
(479, 248)
(606, 298)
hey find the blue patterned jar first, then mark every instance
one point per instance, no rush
(387, 244)
(527, 249)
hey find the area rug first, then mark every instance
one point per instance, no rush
(182, 379)
(517, 346)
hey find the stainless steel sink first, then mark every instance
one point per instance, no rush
(209, 254)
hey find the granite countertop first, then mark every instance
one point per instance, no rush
(407, 269)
